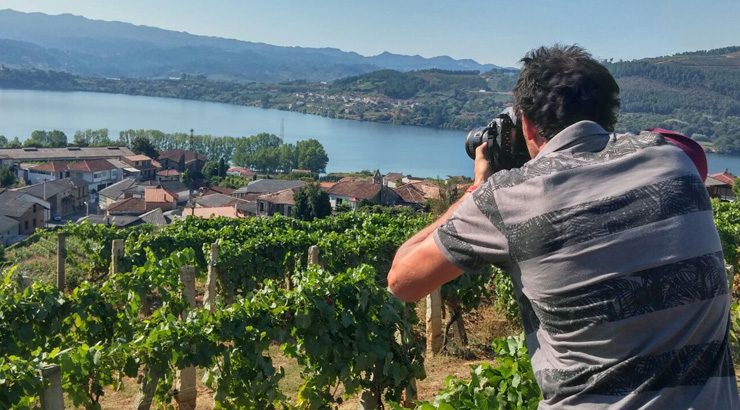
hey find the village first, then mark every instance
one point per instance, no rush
(116, 187)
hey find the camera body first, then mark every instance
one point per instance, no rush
(506, 146)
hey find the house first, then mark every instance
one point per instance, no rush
(221, 205)
(178, 189)
(159, 198)
(181, 160)
(65, 196)
(392, 179)
(48, 171)
(25, 209)
(126, 170)
(97, 173)
(719, 185)
(168, 175)
(127, 206)
(13, 156)
(215, 200)
(8, 230)
(412, 195)
(265, 186)
(280, 202)
(240, 172)
(355, 192)
(120, 190)
(153, 198)
(143, 164)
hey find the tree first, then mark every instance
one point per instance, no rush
(736, 187)
(94, 138)
(142, 145)
(258, 151)
(3, 141)
(287, 157)
(214, 169)
(311, 155)
(47, 139)
(7, 177)
(14, 143)
(311, 202)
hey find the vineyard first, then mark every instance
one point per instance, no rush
(226, 298)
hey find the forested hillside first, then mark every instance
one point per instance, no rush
(695, 93)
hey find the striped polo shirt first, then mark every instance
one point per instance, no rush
(618, 270)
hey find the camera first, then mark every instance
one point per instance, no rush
(506, 147)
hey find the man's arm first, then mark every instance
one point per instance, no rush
(419, 266)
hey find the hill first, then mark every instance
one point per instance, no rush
(696, 93)
(114, 49)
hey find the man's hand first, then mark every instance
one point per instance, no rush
(482, 168)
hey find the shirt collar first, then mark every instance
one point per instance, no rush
(573, 135)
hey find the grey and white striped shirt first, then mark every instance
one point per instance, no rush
(618, 269)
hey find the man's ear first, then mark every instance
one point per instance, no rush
(529, 129)
(535, 142)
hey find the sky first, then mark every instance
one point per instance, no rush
(497, 32)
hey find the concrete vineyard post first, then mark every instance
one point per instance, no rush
(209, 300)
(186, 392)
(434, 321)
(115, 255)
(52, 397)
(61, 258)
(313, 255)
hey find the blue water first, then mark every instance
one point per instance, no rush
(351, 145)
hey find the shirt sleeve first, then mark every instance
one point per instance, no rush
(469, 239)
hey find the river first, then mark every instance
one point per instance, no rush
(351, 145)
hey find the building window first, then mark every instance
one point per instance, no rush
(262, 207)
(34, 222)
(25, 224)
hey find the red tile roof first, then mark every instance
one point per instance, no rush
(138, 158)
(91, 165)
(54, 166)
(158, 195)
(725, 177)
(128, 205)
(355, 189)
(281, 197)
(430, 190)
(245, 172)
(411, 194)
(168, 173)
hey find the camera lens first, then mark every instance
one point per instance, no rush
(473, 140)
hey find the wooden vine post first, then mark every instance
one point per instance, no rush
(434, 321)
(52, 397)
(209, 300)
(186, 391)
(61, 258)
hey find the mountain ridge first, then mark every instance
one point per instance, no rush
(80, 39)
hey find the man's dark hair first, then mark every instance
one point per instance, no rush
(561, 85)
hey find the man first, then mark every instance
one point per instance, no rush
(609, 241)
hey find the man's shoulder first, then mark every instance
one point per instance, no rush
(619, 145)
